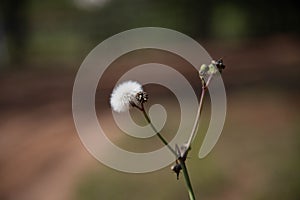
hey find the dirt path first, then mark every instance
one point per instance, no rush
(41, 156)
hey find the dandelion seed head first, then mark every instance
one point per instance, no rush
(124, 95)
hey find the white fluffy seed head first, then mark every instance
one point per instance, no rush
(124, 94)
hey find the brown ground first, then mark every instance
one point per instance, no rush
(41, 156)
(40, 151)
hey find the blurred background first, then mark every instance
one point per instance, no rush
(42, 44)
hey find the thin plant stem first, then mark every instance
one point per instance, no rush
(187, 179)
(156, 131)
(179, 157)
(196, 124)
(194, 130)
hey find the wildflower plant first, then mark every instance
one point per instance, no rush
(130, 94)
(126, 95)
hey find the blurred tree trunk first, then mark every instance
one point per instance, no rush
(15, 31)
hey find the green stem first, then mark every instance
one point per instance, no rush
(156, 131)
(187, 179)
(180, 158)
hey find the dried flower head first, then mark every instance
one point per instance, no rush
(176, 168)
(219, 64)
(211, 69)
(142, 97)
(125, 95)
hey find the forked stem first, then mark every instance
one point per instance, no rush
(178, 157)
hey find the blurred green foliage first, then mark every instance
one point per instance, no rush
(63, 31)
